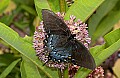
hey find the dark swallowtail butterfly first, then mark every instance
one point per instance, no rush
(61, 43)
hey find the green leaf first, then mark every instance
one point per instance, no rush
(112, 37)
(102, 52)
(3, 5)
(25, 48)
(46, 4)
(4, 59)
(21, 25)
(39, 5)
(112, 40)
(28, 39)
(29, 9)
(106, 24)
(101, 12)
(82, 9)
(66, 73)
(9, 68)
(29, 69)
(54, 5)
(24, 2)
(7, 19)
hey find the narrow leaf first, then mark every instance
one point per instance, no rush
(9, 68)
(106, 24)
(112, 37)
(4, 59)
(28, 69)
(112, 47)
(3, 5)
(101, 12)
(82, 9)
(29, 9)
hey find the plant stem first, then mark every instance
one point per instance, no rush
(62, 6)
(60, 72)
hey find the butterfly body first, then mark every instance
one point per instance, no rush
(62, 45)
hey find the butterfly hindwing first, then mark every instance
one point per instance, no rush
(81, 56)
(59, 52)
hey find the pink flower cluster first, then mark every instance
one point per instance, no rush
(97, 73)
(78, 28)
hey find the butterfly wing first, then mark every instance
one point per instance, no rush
(81, 56)
(53, 24)
(57, 51)
(54, 41)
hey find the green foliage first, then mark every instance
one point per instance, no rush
(104, 19)
(4, 59)
(9, 68)
(3, 5)
(82, 9)
(102, 52)
(28, 69)
(25, 48)
(24, 15)
(106, 24)
(100, 13)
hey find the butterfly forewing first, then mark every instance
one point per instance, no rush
(56, 41)
(53, 24)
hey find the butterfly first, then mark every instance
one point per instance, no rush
(62, 45)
